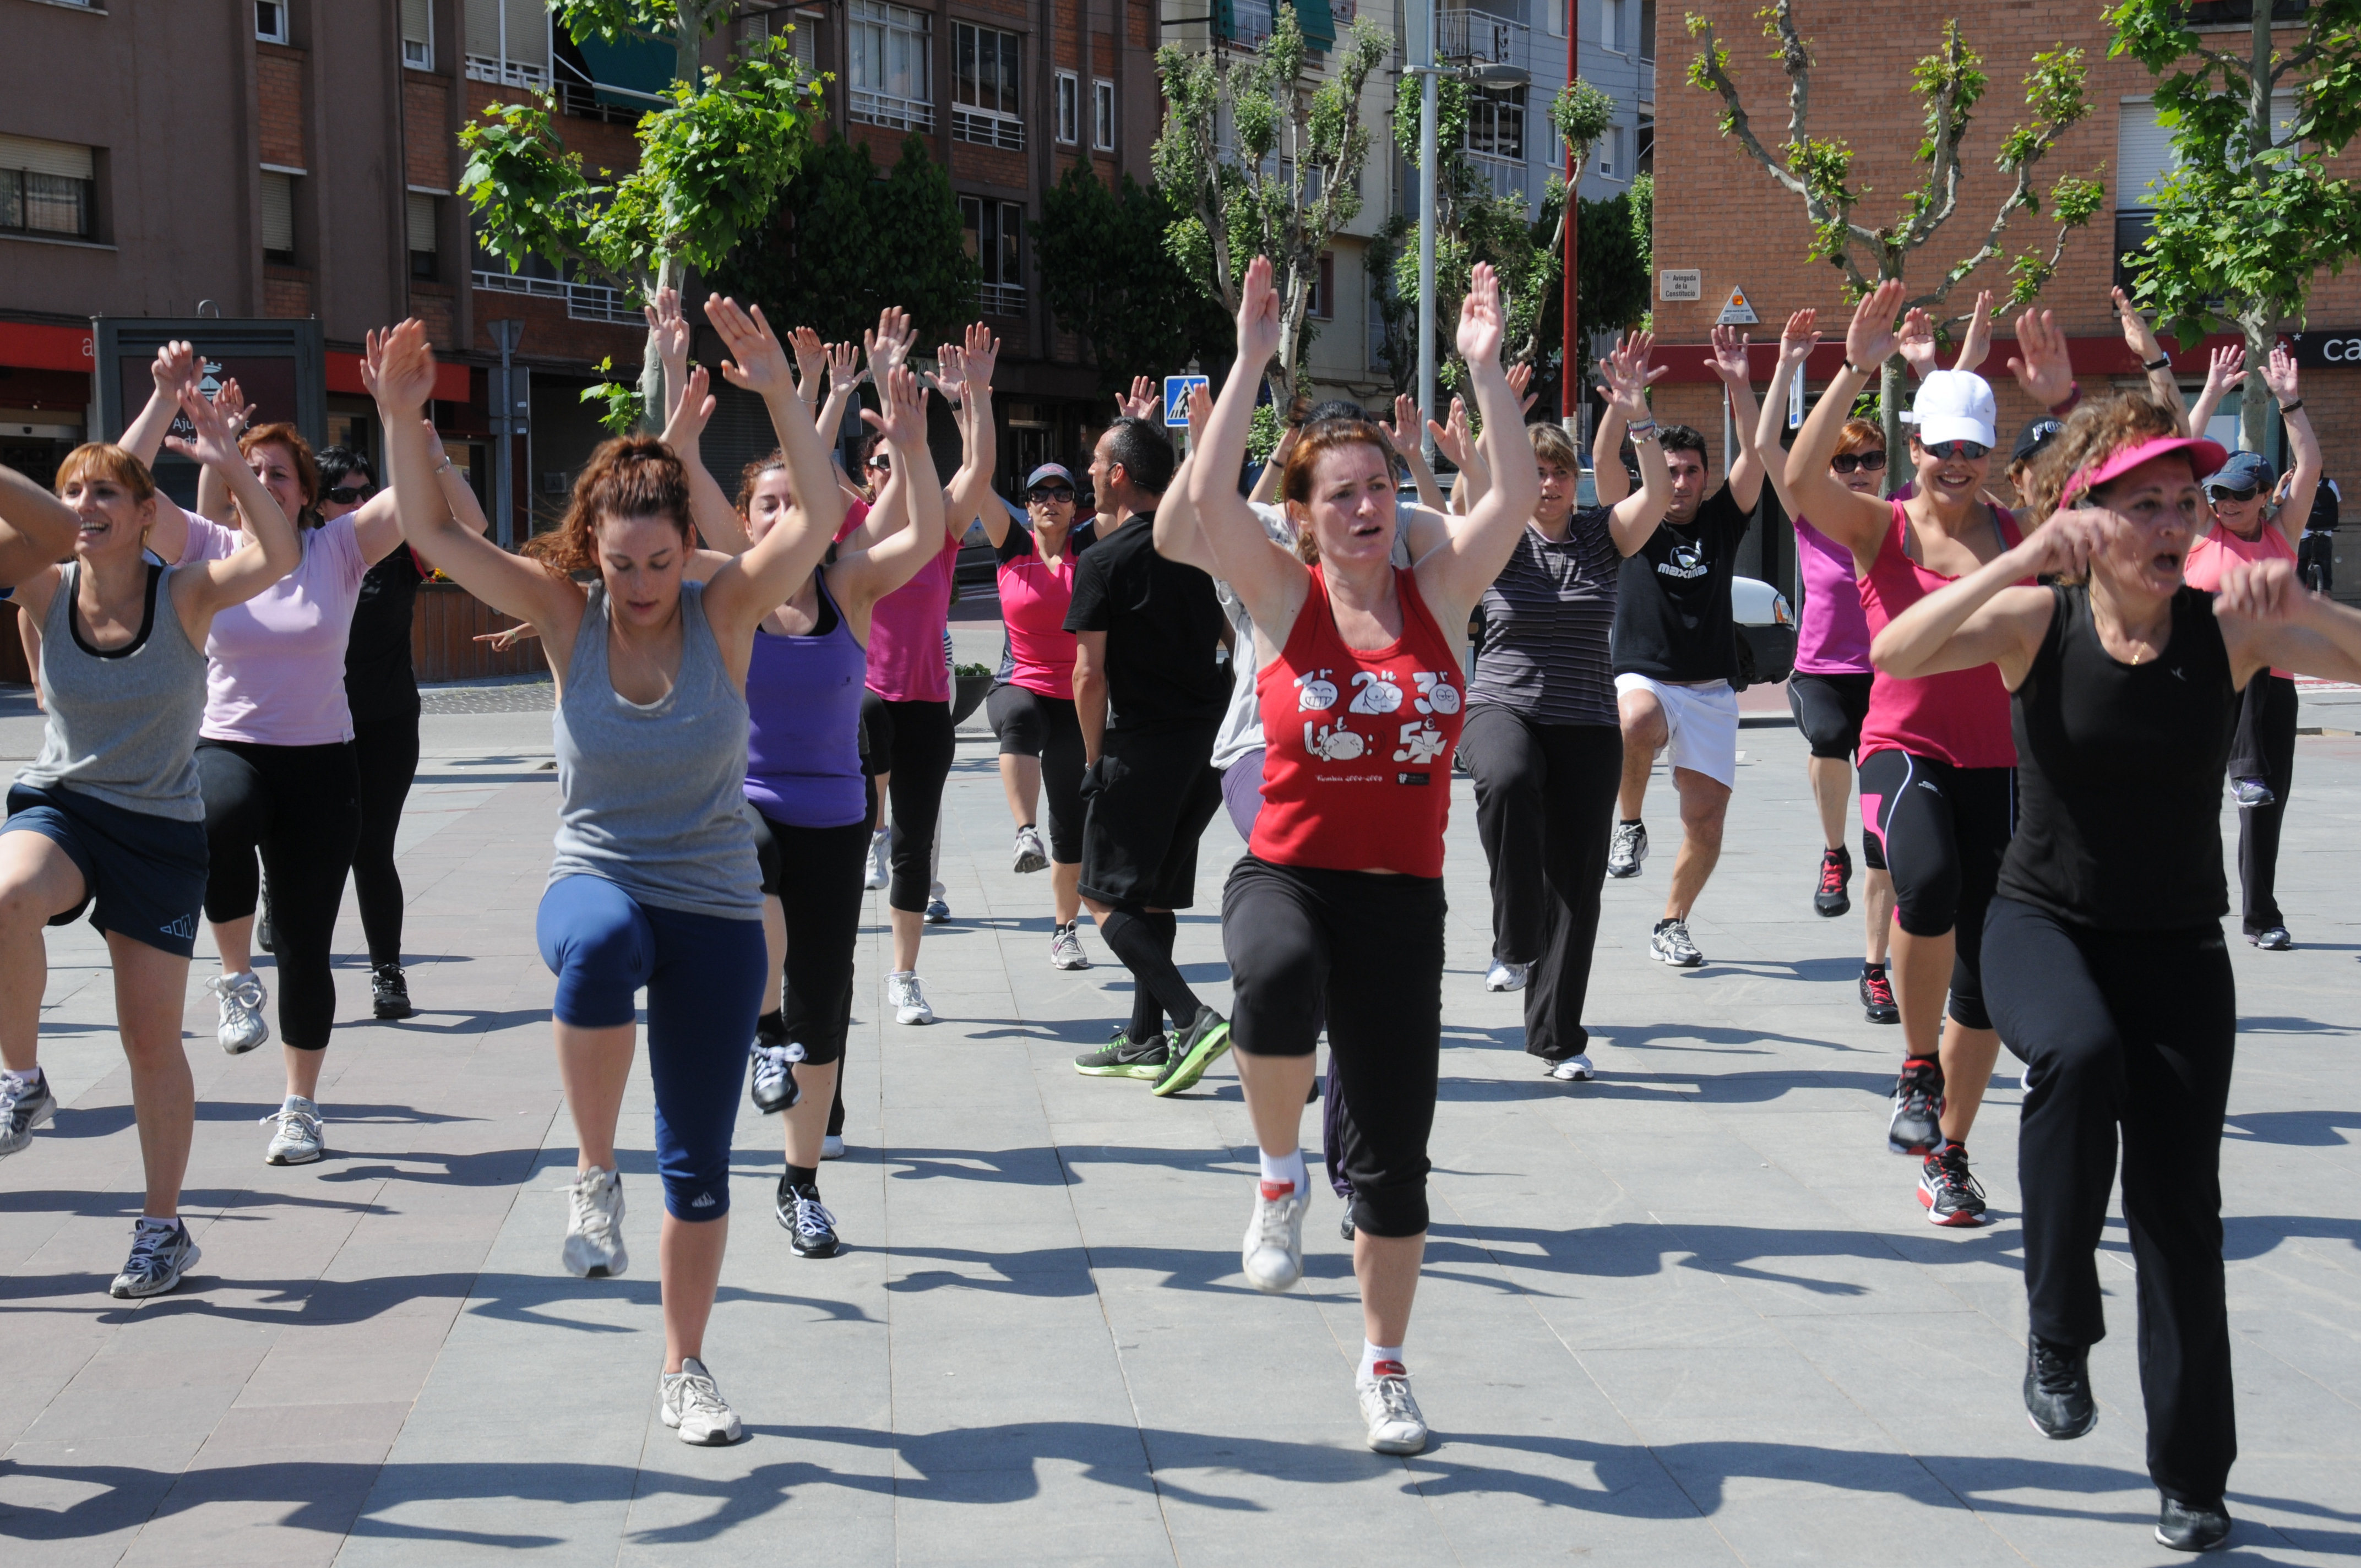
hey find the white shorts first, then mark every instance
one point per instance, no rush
(1702, 723)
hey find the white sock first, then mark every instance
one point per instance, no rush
(1373, 1353)
(30, 1078)
(1286, 1170)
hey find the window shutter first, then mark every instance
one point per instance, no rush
(417, 35)
(484, 27)
(529, 34)
(421, 223)
(36, 156)
(278, 212)
(2143, 152)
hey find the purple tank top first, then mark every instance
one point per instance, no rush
(803, 708)
(1833, 639)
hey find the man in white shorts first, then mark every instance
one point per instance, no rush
(1676, 655)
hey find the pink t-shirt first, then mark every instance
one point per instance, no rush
(907, 626)
(1959, 717)
(275, 665)
(1034, 598)
(2208, 556)
(1834, 637)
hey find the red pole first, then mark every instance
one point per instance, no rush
(1569, 378)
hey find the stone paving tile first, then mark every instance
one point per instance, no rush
(1689, 1312)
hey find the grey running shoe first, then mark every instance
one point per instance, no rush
(1628, 849)
(908, 998)
(1029, 855)
(1120, 1059)
(1917, 1124)
(298, 1137)
(24, 1104)
(1392, 1416)
(1066, 949)
(773, 1088)
(1573, 1069)
(881, 869)
(2252, 792)
(1505, 976)
(389, 992)
(1193, 1052)
(1272, 1255)
(161, 1254)
(2273, 940)
(594, 1230)
(1671, 944)
(692, 1405)
(242, 998)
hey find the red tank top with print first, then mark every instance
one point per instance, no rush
(1356, 770)
(1959, 717)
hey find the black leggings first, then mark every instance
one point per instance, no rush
(1944, 830)
(2264, 747)
(913, 742)
(299, 806)
(1371, 945)
(816, 874)
(1544, 808)
(387, 751)
(2134, 1030)
(1032, 725)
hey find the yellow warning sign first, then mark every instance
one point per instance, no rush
(1736, 311)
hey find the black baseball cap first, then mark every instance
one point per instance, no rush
(2034, 438)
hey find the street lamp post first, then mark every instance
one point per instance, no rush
(1569, 380)
(1422, 19)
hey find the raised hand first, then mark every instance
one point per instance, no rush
(1629, 378)
(1798, 338)
(1916, 342)
(670, 330)
(889, 342)
(1402, 435)
(811, 359)
(982, 351)
(1482, 324)
(2259, 590)
(230, 398)
(1730, 358)
(400, 370)
(950, 373)
(175, 368)
(2279, 374)
(1520, 377)
(757, 362)
(1200, 409)
(2139, 336)
(688, 416)
(903, 420)
(2045, 372)
(215, 442)
(1977, 342)
(1452, 438)
(2225, 368)
(844, 372)
(1258, 325)
(1871, 340)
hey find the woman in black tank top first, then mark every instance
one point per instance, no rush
(2104, 951)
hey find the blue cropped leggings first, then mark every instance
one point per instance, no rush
(704, 977)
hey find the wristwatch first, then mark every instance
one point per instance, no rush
(2162, 362)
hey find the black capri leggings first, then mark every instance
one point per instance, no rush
(2132, 1030)
(1371, 945)
(914, 742)
(1032, 725)
(387, 752)
(1944, 830)
(815, 875)
(2264, 747)
(299, 806)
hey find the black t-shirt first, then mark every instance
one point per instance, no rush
(1671, 608)
(378, 680)
(1164, 629)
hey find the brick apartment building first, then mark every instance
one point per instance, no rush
(1721, 216)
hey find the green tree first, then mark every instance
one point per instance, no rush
(711, 163)
(1613, 280)
(1289, 184)
(1950, 81)
(1110, 279)
(2250, 217)
(844, 244)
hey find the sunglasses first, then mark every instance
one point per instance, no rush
(2223, 493)
(350, 495)
(882, 464)
(1863, 462)
(1946, 451)
(1050, 493)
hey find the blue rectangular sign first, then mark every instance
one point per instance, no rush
(1176, 398)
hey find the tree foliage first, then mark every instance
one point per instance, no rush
(2251, 215)
(1109, 278)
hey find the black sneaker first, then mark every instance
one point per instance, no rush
(162, 1252)
(2058, 1389)
(1345, 1225)
(266, 931)
(1951, 1195)
(1917, 1124)
(389, 993)
(1120, 1059)
(1836, 876)
(1193, 1052)
(811, 1229)
(2192, 1526)
(1877, 995)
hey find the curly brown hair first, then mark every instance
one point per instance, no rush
(2094, 431)
(280, 434)
(630, 475)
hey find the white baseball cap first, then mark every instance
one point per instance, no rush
(1957, 405)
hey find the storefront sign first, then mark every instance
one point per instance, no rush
(2334, 349)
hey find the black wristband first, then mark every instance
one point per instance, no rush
(2162, 362)
(2287, 409)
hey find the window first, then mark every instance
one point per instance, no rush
(1322, 304)
(270, 21)
(418, 34)
(1647, 40)
(1070, 109)
(1610, 155)
(46, 187)
(1495, 122)
(1643, 146)
(993, 232)
(278, 217)
(1103, 116)
(421, 208)
(892, 50)
(1553, 16)
(508, 42)
(984, 87)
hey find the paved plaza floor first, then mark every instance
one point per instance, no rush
(1688, 1313)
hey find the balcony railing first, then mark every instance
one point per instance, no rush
(1250, 21)
(1480, 36)
(584, 302)
(507, 73)
(891, 111)
(1506, 176)
(987, 129)
(1000, 299)
(1647, 82)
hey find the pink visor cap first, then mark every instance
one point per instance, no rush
(2204, 457)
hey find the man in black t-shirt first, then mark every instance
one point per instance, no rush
(1675, 654)
(1147, 632)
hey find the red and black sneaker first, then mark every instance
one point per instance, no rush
(1917, 1124)
(1836, 876)
(1951, 1195)
(1877, 995)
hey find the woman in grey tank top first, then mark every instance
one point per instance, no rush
(654, 882)
(108, 816)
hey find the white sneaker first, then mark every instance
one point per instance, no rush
(1272, 1255)
(1065, 949)
(593, 1235)
(300, 1138)
(908, 998)
(162, 1252)
(1029, 855)
(243, 1027)
(1627, 848)
(1574, 1069)
(692, 1405)
(832, 1146)
(1505, 976)
(24, 1104)
(1392, 1416)
(881, 870)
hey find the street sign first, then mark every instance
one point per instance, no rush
(1176, 398)
(1682, 283)
(1795, 402)
(1736, 311)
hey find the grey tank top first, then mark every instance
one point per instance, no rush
(652, 798)
(122, 722)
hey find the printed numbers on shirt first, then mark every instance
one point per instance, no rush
(1315, 692)
(1435, 695)
(1332, 744)
(1378, 694)
(1421, 741)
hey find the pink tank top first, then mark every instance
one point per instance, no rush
(1959, 717)
(907, 626)
(1834, 637)
(2208, 556)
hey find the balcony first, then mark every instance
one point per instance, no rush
(1506, 176)
(891, 111)
(1647, 83)
(1479, 38)
(508, 74)
(584, 302)
(1250, 22)
(1000, 299)
(986, 128)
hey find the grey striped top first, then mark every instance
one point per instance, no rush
(1548, 618)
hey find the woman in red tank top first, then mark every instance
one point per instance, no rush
(1341, 893)
(1937, 765)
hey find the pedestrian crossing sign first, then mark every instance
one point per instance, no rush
(1176, 398)
(1737, 311)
